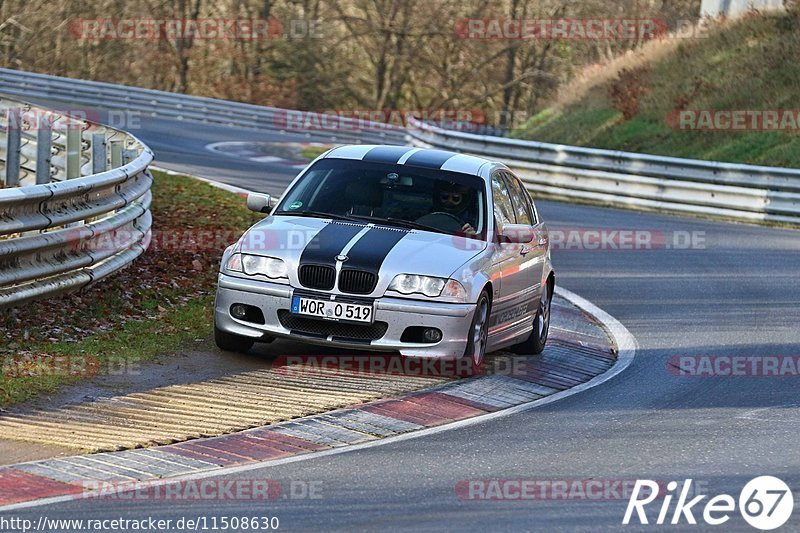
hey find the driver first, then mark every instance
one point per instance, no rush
(454, 199)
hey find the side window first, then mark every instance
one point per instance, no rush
(503, 208)
(522, 207)
(533, 207)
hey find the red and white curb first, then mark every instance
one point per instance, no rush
(576, 359)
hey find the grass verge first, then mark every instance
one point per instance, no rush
(153, 307)
(312, 151)
(743, 65)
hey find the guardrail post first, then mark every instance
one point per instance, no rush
(129, 155)
(116, 154)
(44, 151)
(30, 254)
(73, 151)
(99, 157)
(13, 137)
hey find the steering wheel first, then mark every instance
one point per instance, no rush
(442, 220)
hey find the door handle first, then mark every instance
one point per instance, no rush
(524, 250)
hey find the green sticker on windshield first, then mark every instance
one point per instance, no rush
(296, 205)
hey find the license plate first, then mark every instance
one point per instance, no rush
(331, 309)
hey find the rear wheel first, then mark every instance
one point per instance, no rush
(541, 326)
(230, 342)
(478, 333)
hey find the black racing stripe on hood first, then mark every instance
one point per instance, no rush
(323, 248)
(369, 252)
(386, 154)
(429, 159)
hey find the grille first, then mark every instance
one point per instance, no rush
(325, 328)
(357, 281)
(317, 277)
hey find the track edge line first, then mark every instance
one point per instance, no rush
(626, 351)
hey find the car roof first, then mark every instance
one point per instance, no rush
(415, 157)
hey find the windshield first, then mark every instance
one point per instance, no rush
(399, 195)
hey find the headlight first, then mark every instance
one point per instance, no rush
(271, 267)
(411, 283)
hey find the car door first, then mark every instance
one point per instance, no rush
(533, 254)
(508, 277)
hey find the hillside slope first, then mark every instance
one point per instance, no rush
(750, 64)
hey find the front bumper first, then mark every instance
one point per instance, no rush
(453, 320)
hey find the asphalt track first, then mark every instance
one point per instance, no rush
(736, 293)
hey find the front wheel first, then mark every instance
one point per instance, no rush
(541, 326)
(478, 333)
(230, 342)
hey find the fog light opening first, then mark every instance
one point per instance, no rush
(239, 311)
(247, 313)
(432, 335)
(421, 334)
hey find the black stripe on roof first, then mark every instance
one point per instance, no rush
(386, 154)
(429, 158)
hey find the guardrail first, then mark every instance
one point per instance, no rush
(74, 202)
(727, 190)
(31, 85)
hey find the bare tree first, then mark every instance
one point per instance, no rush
(373, 54)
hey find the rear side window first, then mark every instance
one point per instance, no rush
(503, 207)
(533, 207)
(522, 208)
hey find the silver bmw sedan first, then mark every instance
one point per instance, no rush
(423, 252)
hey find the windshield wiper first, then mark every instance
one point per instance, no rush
(403, 223)
(318, 214)
(361, 218)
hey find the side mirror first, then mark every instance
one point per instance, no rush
(517, 234)
(258, 202)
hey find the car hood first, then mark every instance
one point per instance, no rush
(384, 249)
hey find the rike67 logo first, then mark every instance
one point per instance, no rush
(765, 503)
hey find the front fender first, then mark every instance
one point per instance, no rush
(473, 276)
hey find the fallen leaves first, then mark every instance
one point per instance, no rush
(161, 279)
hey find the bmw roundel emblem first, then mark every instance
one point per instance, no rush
(341, 258)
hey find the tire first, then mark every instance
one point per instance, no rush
(535, 343)
(478, 334)
(231, 343)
